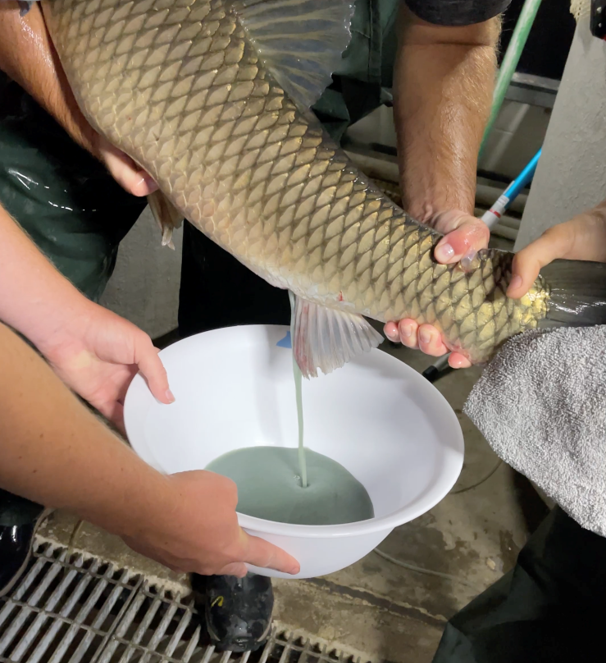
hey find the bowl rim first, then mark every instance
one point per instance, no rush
(405, 514)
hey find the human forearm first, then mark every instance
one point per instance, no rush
(29, 58)
(443, 90)
(35, 299)
(94, 351)
(56, 452)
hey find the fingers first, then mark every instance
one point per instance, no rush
(463, 242)
(267, 556)
(391, 331)
(404, 332)
(152, 369)
(464, 236)
(125, 171)
(457, 360)
(424, 337)
(528, 262)
(430, 341)
(408, 330)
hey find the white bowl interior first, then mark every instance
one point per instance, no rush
(376, 416)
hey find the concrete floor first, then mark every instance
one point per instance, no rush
(376, 608)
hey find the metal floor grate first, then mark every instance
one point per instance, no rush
(76, 610)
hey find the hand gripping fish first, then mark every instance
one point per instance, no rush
(212, 98)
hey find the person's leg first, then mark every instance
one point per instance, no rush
(550, 608)
(77, 215)
(219, 291)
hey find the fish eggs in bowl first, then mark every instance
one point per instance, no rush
(377, 417)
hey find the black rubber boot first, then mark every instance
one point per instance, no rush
(19, 520)
(15, 551)
(237, 611)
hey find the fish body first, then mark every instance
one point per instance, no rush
(212, 98)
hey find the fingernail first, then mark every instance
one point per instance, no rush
(516, 282)
(444, 252)
(169, 396)
(425, 337)
(148, 182)
(407, 330)
(392, 335)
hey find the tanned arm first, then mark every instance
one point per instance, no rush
(444, 81)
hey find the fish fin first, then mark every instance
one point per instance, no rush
(166, 214)
(577, 293)
(326, 339)
(300, 41)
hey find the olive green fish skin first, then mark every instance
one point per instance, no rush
(178, 85)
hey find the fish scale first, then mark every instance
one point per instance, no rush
(182, 88)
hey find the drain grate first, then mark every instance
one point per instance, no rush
(68, 609)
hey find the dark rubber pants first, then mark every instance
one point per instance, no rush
(551, 608)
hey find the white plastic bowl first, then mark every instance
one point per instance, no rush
(376, 416)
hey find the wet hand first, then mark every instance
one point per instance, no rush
(198, 531)
(98, 353)
(464, 236)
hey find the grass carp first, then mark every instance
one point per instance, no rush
(212, 98)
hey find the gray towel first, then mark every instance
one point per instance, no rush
(541, 405)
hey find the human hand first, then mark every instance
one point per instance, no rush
(197, 530)
(97, 353)
(123, 169)
(464, 236)
(581, 238)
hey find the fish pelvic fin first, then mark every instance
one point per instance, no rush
(577, 293)
(301, 42)
(166, 214)
(325, 339)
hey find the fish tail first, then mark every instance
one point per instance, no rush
(577, 293)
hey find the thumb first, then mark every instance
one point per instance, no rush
(265, 555)
(467, 239)
(528, 262)
(151, 367)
